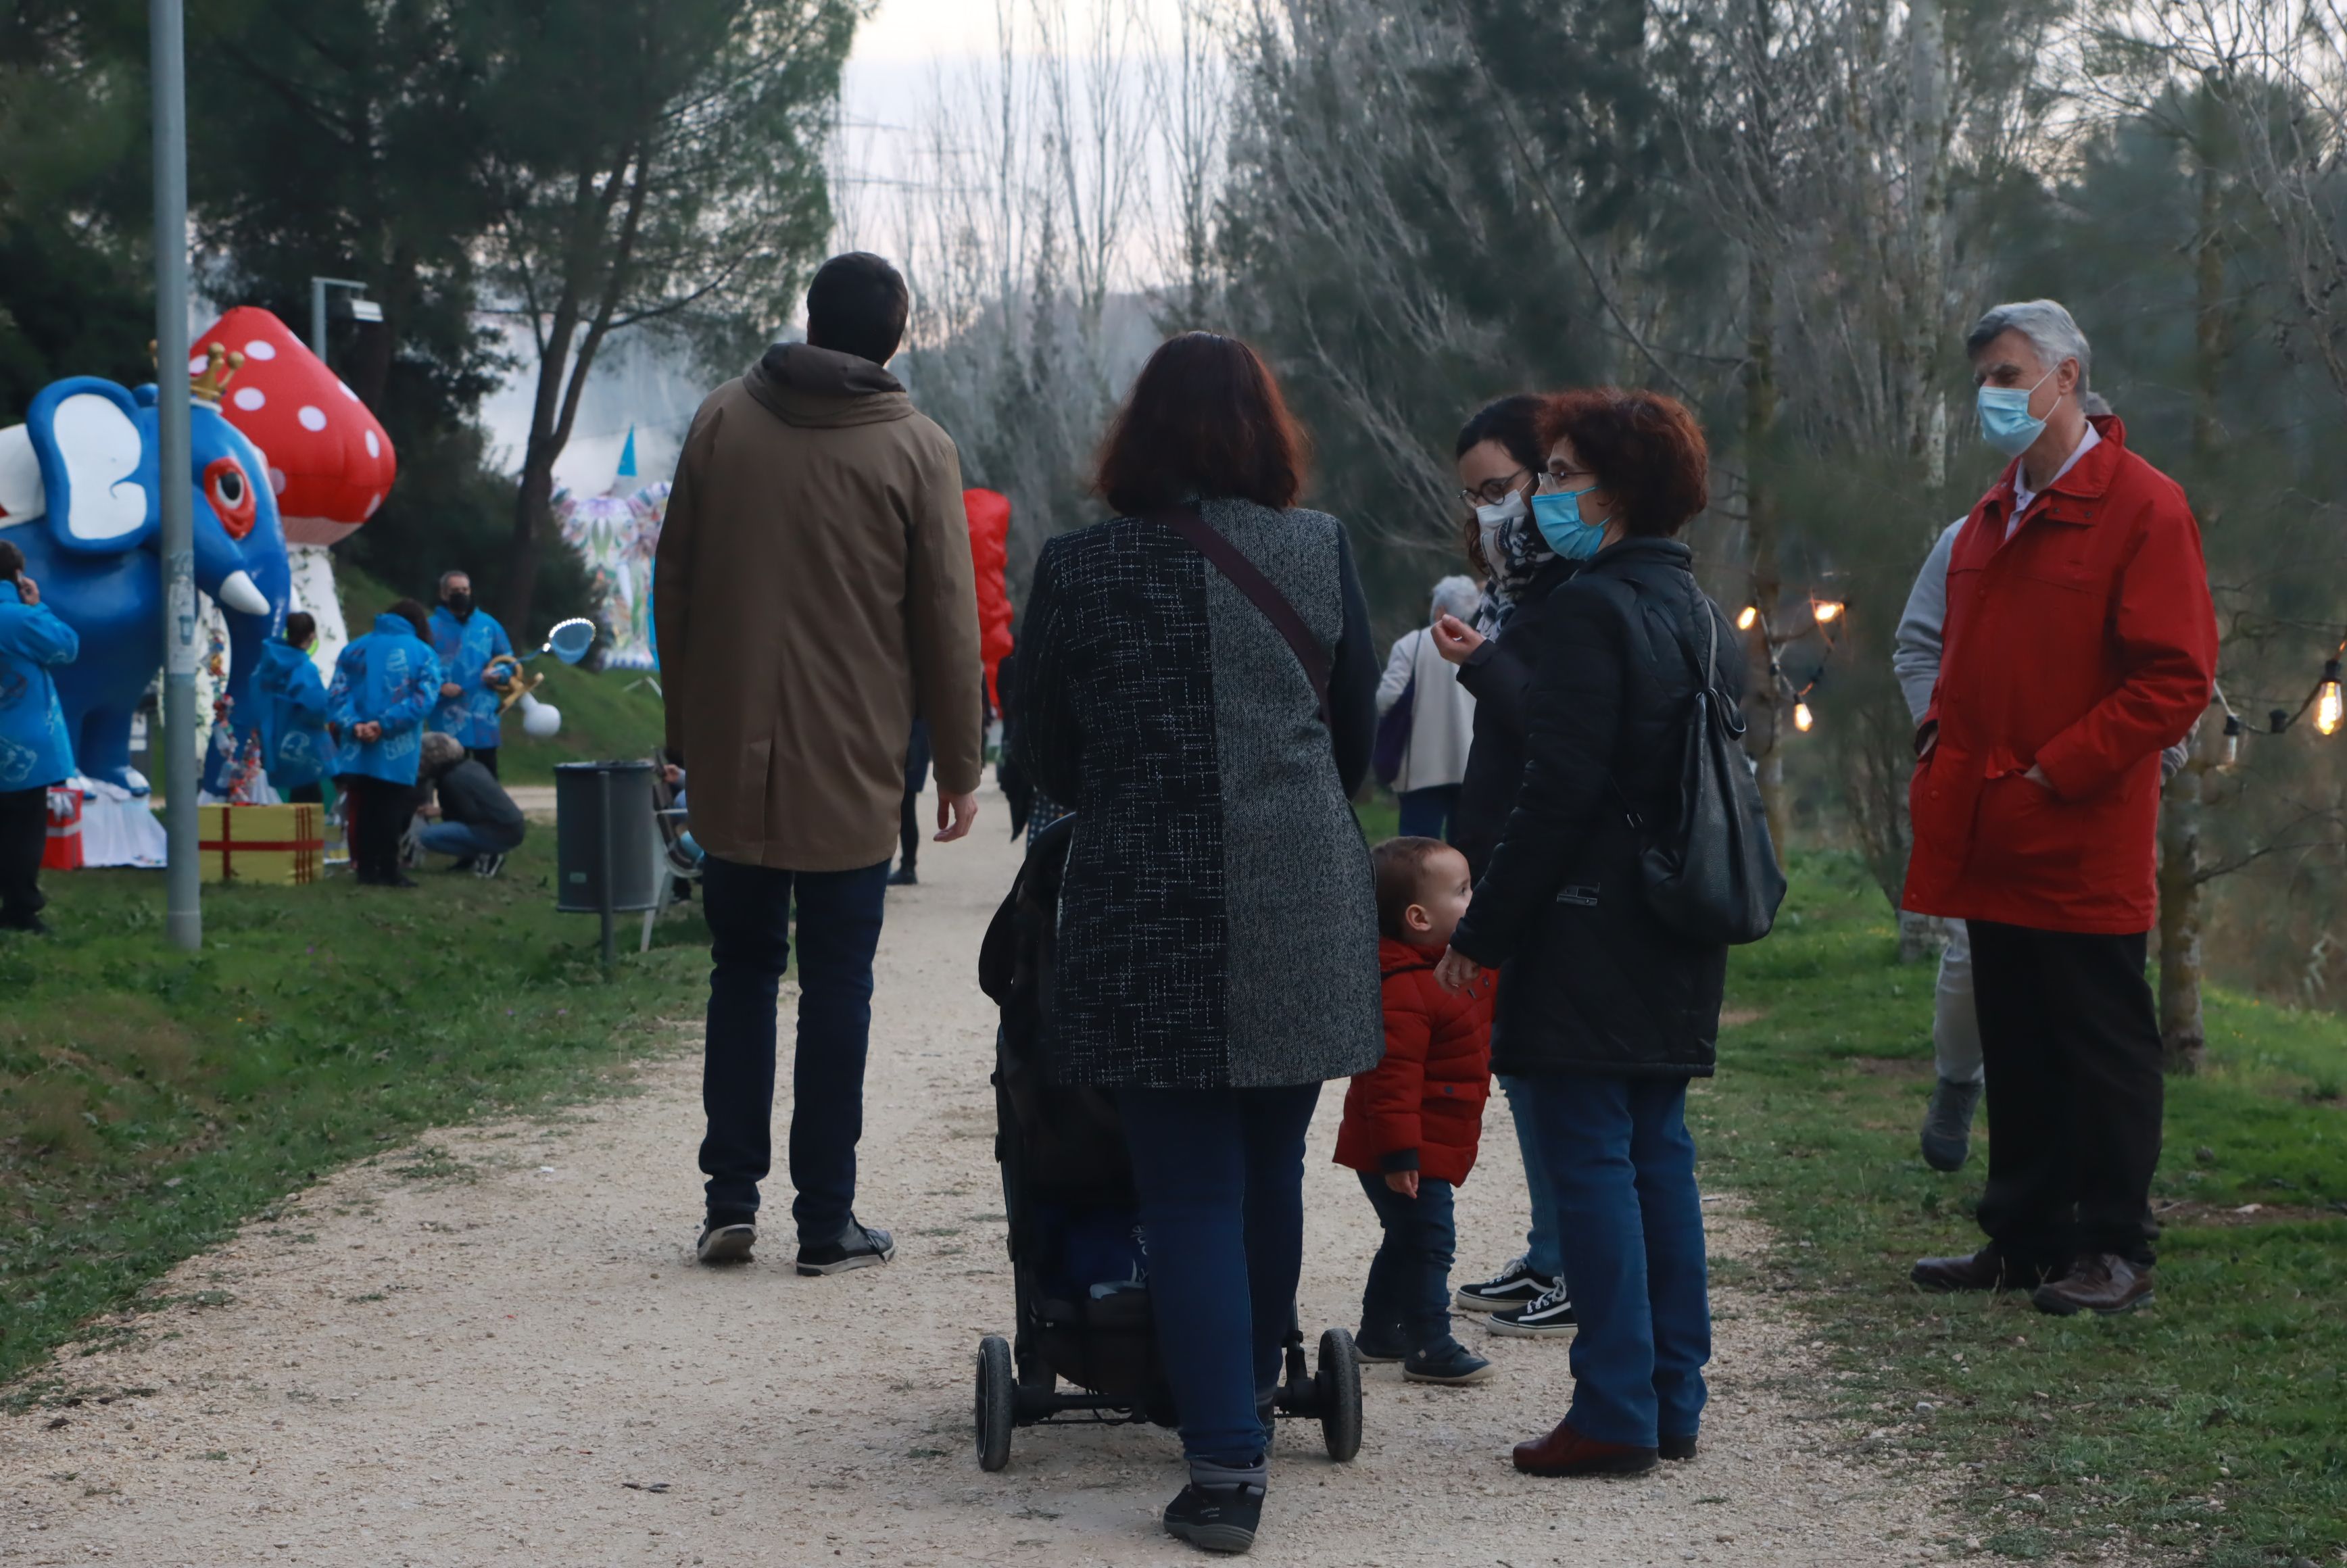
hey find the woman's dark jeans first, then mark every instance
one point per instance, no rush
(1622, 1166)
(1426, 813)
(1220, 1174)
(1409, 1293)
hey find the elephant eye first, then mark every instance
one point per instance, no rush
(230, 495)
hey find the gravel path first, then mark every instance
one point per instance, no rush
(494, 1347)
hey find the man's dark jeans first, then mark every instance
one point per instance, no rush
(24, 839)
(749, 913)
(2071, 1044)
(1409, 1292)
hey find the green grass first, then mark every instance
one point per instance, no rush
(150, 1100)
(605, 715)
(2057, 1436)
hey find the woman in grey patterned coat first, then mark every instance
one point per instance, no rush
(1217, 936)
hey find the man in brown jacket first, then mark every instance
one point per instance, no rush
(814, 594)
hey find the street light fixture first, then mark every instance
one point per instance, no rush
(357, 307)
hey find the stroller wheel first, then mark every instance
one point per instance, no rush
(998, 1392)
(1337, 1381)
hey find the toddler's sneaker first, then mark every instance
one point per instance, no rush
(1514, 1285)
(1548, 1316)
(1450, 1364)
(1215, 1518)
(1375, 1349)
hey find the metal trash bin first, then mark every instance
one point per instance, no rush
(607, 841)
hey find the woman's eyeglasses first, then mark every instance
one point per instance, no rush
(1490, 492)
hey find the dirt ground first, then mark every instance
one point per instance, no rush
(494, 1347)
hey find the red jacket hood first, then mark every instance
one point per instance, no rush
(1395, 957)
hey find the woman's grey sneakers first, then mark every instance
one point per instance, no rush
(726, 1243)
(1548, 1316)
(1514, 1285)
(858, 1246)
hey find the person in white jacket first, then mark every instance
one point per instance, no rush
(1422, 752)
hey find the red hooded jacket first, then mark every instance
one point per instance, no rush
(1421, 1108)
(2084, 645)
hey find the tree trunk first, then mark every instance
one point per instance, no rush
(1765, 696)
(1927, 143)
(2183, 1038)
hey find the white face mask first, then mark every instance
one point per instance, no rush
(1491, 519)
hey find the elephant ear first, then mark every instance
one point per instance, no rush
(97, 471)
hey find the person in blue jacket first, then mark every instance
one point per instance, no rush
(295, 746)
(466, 640)
(35, 751)
(385, 684)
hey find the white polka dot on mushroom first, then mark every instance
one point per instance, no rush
(196, 365)
(346, 391)
(373, 446)
(277, 481)
(372, 502)
(311, 417)
(260, 348)
(250, 398)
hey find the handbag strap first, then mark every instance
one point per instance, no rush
(1260, 591)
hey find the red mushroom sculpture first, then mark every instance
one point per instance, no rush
(329, 461)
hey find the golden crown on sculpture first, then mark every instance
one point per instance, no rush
(221, 366)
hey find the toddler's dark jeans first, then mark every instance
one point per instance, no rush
(1409, 1293)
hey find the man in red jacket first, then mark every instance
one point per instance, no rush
(2080, 641)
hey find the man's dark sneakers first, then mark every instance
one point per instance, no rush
(1548, 1316)
(31, 924)
(726, 1243)
(905, 877)
(1215, 1518)
(858, 1246)
(2102, 1283)
(488, 865)
(1676, 1447)
(1514, 1286)
(1450, 1364)
(1986, 1269)
(1948, 1124)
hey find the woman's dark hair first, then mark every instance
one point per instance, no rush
(12, 561)
(1645, 450)
(1514, 422)
(299, 627)
(413, 614)
(857, 304)
(1204, 418)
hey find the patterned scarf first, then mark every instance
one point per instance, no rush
(1521, 554)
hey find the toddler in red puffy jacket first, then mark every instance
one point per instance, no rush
(1412, 1121)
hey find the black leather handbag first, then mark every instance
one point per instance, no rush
(1717, 880)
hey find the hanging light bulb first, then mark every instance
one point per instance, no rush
(2232, 752)
(1827, 610)
(1802, 717)
(2328, 707)
(1747, 616)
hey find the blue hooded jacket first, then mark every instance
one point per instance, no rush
(465, 649)
(390, 678)
(34, 750)
(293, 744)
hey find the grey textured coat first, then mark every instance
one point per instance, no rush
(1217, 921)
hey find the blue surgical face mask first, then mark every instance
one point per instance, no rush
(2005, 422)
(1558, 517)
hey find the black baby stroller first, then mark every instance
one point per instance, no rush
(1082, 1292)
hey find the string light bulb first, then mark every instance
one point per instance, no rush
(1802, 717)
(2329, 708)
(1827, 610)
(1747, 616)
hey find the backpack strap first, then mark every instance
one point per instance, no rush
(1244, 575)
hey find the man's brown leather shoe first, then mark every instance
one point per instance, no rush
(1982, 1270)
(2100, 1282)
(1566, 1452)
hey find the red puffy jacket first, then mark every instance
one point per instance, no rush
(1421, 1108)
(2083, 645)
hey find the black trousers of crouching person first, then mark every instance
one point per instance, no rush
(2071, 1044)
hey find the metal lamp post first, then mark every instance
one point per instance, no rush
(361, 308)
(183, 917)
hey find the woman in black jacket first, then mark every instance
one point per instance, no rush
(1603, 1010)
(1501, 457)
(1217, 923)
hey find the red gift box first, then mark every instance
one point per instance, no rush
(63, 850)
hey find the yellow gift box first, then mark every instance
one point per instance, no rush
(283, 845)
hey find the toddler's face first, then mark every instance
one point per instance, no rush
(1443, 894)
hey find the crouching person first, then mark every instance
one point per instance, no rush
(480, 824)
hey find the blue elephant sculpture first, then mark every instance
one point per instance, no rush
(90, 533)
